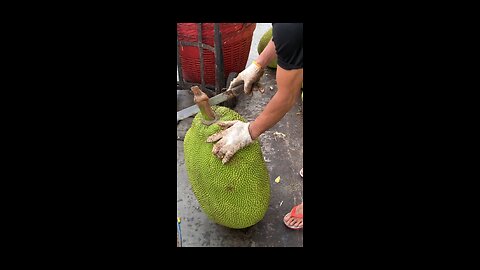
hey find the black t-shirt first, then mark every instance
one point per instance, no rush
(288, 39)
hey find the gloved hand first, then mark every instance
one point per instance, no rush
(234, 136)
(249, 76)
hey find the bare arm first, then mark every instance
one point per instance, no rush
(268, 54)
(289, 84)
(237, 134)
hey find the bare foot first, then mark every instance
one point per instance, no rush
(294, 219)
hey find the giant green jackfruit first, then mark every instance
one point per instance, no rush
(235, 194)
(263, 43)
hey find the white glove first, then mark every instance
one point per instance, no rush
(234, 136)
(249, 76)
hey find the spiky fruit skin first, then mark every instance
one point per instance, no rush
(263, 43)
(235, 194)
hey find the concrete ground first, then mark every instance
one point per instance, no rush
(282, 147)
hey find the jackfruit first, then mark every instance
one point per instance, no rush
(263, 43)
(235, 194)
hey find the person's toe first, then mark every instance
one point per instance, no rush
(293, 221)
(286, 218)
(297, 224)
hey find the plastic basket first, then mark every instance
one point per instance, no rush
(236, 40)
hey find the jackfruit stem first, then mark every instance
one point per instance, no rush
(201, 99)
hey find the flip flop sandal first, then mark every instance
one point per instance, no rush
(294, 214)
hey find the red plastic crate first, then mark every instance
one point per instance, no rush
(236, 39)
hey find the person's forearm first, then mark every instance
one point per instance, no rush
(289, 83)
(278, 106)
(268, 54)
